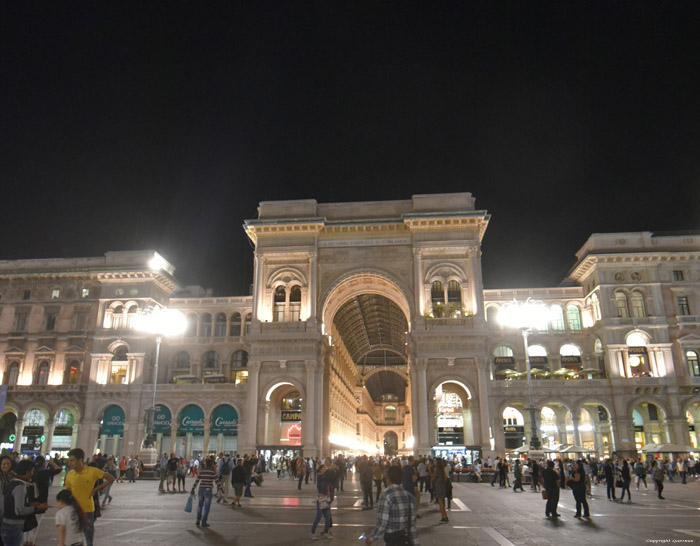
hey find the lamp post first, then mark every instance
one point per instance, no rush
(525, 316)
(160, 322)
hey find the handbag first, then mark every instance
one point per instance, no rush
(188, 504)
(619, 483)
(324, 501)
(544, 494)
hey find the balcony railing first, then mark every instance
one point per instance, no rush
(461, 322)
(282, 327)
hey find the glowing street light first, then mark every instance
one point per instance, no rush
(159, 322)
(525, 316)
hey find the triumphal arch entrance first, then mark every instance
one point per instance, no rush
(368, 330)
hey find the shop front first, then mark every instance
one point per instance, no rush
(290, 437)
(224, 427)
(162, 421)
(33, 434)
(190, 432)
(111, 431)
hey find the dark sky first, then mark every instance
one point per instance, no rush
(163, 124)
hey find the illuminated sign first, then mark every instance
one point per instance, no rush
(291, 415)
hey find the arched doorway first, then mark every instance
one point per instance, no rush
(453, 433)
(283, 428)
(556, 426)
(649, 425)
(7, 431)
(190, 431)
(224, 427)
(596, 430)
(64, 434)
(513, 428)
(111, 430)
(391, 443)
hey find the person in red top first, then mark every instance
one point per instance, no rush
(122, 469)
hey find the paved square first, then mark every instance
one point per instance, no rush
(481, 515)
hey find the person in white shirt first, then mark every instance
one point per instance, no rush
(71, 521)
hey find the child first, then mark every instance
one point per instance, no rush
(71, 521)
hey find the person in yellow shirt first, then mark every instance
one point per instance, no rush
(80, 481)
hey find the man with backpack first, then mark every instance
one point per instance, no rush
(224, 468)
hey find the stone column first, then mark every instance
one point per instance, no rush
(74, 436)
(49, 428)
(678, 431)
(486, 431)
(418, 281)
(205, 444)
(310, 413)
(251, 419)
(577, 436)
(258, 288)
(266, 434)
(424, 440)
(313, 258)
(173, 435)
(19, 429)
(415, 420)
(561, 429)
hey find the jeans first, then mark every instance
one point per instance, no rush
(659, 486)
(552, 501)
(341, 477)
(367, 494)
(580, 498)
(625, 487)
(684, 476)
(378, 485)
(611, 489)
(11, 534)
(90, 531)
(163, 475)
(301, 479)
(204, 502)
(326, 513)
(247, 492)
(642, 479)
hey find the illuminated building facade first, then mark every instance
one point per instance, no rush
(369, 329)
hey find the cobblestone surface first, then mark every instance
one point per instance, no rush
(481, 515)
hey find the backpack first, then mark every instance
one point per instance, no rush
(226, 467)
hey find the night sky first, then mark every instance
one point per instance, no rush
(163, 124)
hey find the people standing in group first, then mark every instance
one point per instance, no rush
(551, 485)
(205, 479)
(396, 513)
(323, 503)
(71, 520)
(658, 474)
(18, 507)
(577, 483)
(80, 481)
(626, 480)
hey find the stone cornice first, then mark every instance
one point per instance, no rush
(629, 259)
(440, 221)
(163, 279)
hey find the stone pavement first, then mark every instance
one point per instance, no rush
(279, 515)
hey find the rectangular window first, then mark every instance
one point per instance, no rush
(26, 294)
(294, 312)
(81, 320)
(55, 293)
(50, 321)
(118, 375)
(683, 306)
(85, 292)
(678, 276)
(20, 321)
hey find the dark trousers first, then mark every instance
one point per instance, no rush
(341, 478)
(625, 487)
(301, 479)
(659, 486)
(580, 498)
(552, 501)
(367, 494)
(423, 482)
(495, 476)
(684, 476)
(378, 485)
(611, 488)
(247, 492)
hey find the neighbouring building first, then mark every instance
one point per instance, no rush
(368, 329)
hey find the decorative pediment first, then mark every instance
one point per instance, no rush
(75, 349)
(16, 351)
(44, 350)
(285, 276)
(690, 339)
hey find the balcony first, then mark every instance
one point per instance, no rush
(461, 322)
(688, 320)
(283, 327)
(635, 321)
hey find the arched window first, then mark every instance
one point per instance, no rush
(239, 359)
(248, 319)
(573, 315)
(621, 305)
(120, 363)
(220, 325)
(492, 317)
(390, 413)
(205, 325)
(503, 350)
(598, 346)
(72, 373)
(636, 339)
(693, 365)
(235, 325)
(295, 303)
(182, 361)
(12, 374)
(569, 349)
(42, 373)
(558, 318)
(536, 350)
(191, 330)
(117, 317)
(210, 362)
(437, 297)
(280, 304)
(454, 292)
(131, 313)
(637, 301)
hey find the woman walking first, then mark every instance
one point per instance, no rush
(323, 503)
(439, 479)
(577, 483)
(626, 481)
(518, 473)
(657, 472)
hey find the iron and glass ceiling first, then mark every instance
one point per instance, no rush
(373, 329)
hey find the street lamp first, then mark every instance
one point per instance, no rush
(160, 322)
(525, 316)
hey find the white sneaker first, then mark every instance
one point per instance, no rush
(328, 536)
(313, 536)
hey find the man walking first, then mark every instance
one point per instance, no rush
(396, 513)
(640, 473)
(609, 472)
(80, 481)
